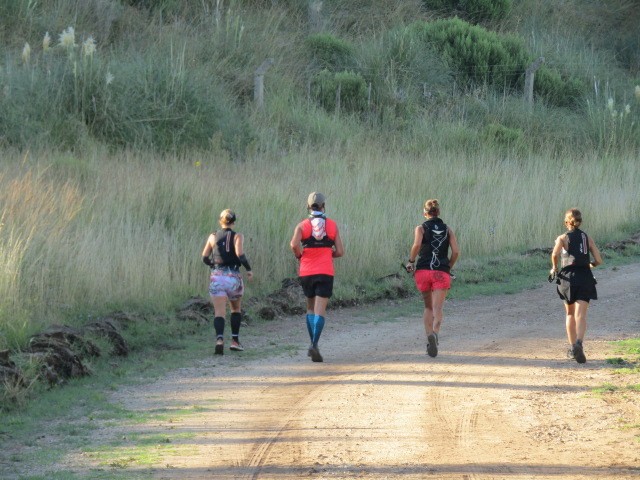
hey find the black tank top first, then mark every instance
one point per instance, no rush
(435, 246)
(578, 253)
(226, 249)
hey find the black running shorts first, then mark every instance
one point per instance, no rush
(317, 286)
(572, 293)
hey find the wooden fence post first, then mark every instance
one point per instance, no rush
(315, 15)
(258, 82)
(529, 75)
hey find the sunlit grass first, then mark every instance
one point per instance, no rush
(87, 235)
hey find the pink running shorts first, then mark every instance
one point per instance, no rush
(429, 280)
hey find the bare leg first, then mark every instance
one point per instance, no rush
(320, 306)
(570, 323)
(437, 298)
(235, 305)
(580, 316)
(427, 314)
(311, 305)
(219, 306)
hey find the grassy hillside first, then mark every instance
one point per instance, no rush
(127, 126)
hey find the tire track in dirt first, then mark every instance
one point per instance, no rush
(261, 451)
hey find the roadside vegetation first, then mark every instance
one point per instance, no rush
(127, 126)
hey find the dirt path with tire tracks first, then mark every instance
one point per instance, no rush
(500, 401)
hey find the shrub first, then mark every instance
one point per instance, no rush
(349, 88)
(502, 135)
(481, 56)
(154, 103)
(66, 95)
(403, 73)
(484, 57)
(473, 9)
(558, 91)
(329, 52)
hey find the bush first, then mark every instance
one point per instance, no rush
(479, 55)
(65, 96)
(501, 135)
(558, 91)
(484, 57)
(350, 88)
(329, 52)
(473, 9)
(403, 73)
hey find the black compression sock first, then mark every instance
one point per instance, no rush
(236, 319)
(218, 324)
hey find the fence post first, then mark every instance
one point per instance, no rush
(315, 15)
(529, 75)
(258, 82)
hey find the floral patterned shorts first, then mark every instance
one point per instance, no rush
(226, 283)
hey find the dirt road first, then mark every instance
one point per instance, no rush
(500, 401)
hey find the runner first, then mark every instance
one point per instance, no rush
(315, 243)
(432, 274)
(224, 253)
(576, 284)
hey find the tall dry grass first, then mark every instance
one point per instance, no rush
(83, 235)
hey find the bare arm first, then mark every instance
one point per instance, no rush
(455, 250)
(557, 249)
(238, 244)
(597, 258)
(418, 233)
(294, 244)
(207, 250)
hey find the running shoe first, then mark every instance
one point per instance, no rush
(578, 352)
(432, 345)
(315, 354)
(437, 339)
(309, 351)
(570, 353)
(236, 346)
(219, 347)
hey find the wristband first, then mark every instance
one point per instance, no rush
(207, 261)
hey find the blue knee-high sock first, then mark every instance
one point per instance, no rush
(318, 325)
(309, 327)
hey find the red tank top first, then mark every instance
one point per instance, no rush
(317, 260)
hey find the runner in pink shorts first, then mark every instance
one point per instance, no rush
(224, 253)
(432, 272)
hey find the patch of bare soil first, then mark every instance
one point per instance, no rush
(500, 401)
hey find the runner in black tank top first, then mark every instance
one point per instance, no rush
(431, 244)
(224, 253)
(576, 285)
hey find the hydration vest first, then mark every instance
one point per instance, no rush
(226, 249)
(578, 253)
(318, 237)
(435, 246)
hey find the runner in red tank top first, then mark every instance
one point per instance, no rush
(316, 242)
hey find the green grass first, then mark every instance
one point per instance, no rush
(90, 252)
(627, 364)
